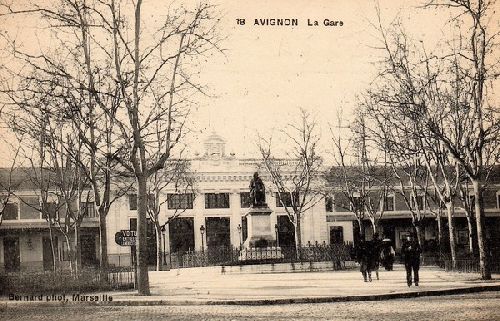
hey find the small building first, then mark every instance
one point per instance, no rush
(25, 242)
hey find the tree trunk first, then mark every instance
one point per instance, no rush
(70, 253)
(471, 230)
(438, 219)
(103, 242)
(374, 226)
(52, 248)
(77, 247)
(142, 264)
(298, 237)
(451, 231)
(418, 230)
(361, 229)
(484, 261)
(159, 260)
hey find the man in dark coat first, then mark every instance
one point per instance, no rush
(411, 253)
(363, 254)
(375, 248)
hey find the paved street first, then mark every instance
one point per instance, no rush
(470, 307)
(208, 284)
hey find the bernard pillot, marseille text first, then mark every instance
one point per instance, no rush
(290, 22)
(62, 297)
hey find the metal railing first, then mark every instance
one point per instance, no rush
(338, 253)
(63, 281)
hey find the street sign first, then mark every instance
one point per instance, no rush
(126, 238)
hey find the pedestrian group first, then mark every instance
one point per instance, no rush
(371, 254)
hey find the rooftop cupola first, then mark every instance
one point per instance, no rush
(215, 146)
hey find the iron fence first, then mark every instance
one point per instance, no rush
(338, 253)
(64, 281)
(470, 265)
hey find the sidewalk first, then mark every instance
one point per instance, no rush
(197, 286)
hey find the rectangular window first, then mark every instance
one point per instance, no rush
(356, 203)
(472, 202)
(65, 251)
(462, 237)
(30, 206)
(88, 209)
(133, 224)
(245, 200)
(244, 229)
(498, 200)
(403, 235)
(132, 202)
(217, 200)
(389, 203)
(336, 235)
(10, 211)
(51, 209)
(180, 201)
(329, 204)
(418, 202)
(284, 199)
(151, 199)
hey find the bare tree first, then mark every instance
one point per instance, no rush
(156, 82)
(468, 207)
(347, 176)
(298, 180)
(474, 144)
(364, 178)
(9, 183)
(443, 101)
(141, 82)
(176, 178)
(413, 188)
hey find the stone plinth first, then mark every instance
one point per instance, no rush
(261, 241)
(260, 253)
(260, 233)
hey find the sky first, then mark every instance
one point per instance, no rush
(268, 72)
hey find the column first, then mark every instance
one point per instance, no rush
(235, 206)
(199, 220)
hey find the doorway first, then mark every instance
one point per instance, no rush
(48, 262)
(218, 232)
(336, 235)
(11, 255)
(88, 244)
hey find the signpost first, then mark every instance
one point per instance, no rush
(126, 238)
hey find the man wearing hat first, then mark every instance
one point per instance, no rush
(411, 253)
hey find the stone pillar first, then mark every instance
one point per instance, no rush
(199, 220)
(235, 207)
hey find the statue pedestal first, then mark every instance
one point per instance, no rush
(259, 228)
(261, 241)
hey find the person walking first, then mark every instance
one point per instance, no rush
(363, 258)
(411, 253)
(375, 249)
(387, 254)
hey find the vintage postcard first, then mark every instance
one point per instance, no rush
(249, 160)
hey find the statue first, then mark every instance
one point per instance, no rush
(257, 191)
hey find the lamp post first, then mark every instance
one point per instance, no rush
(202, 231)
(239, 233)
(276, 228)
(163, 232)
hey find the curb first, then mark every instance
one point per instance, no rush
(256, 302)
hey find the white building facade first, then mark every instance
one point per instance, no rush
(215, 212)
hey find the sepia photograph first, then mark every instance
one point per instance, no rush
(250, 160)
